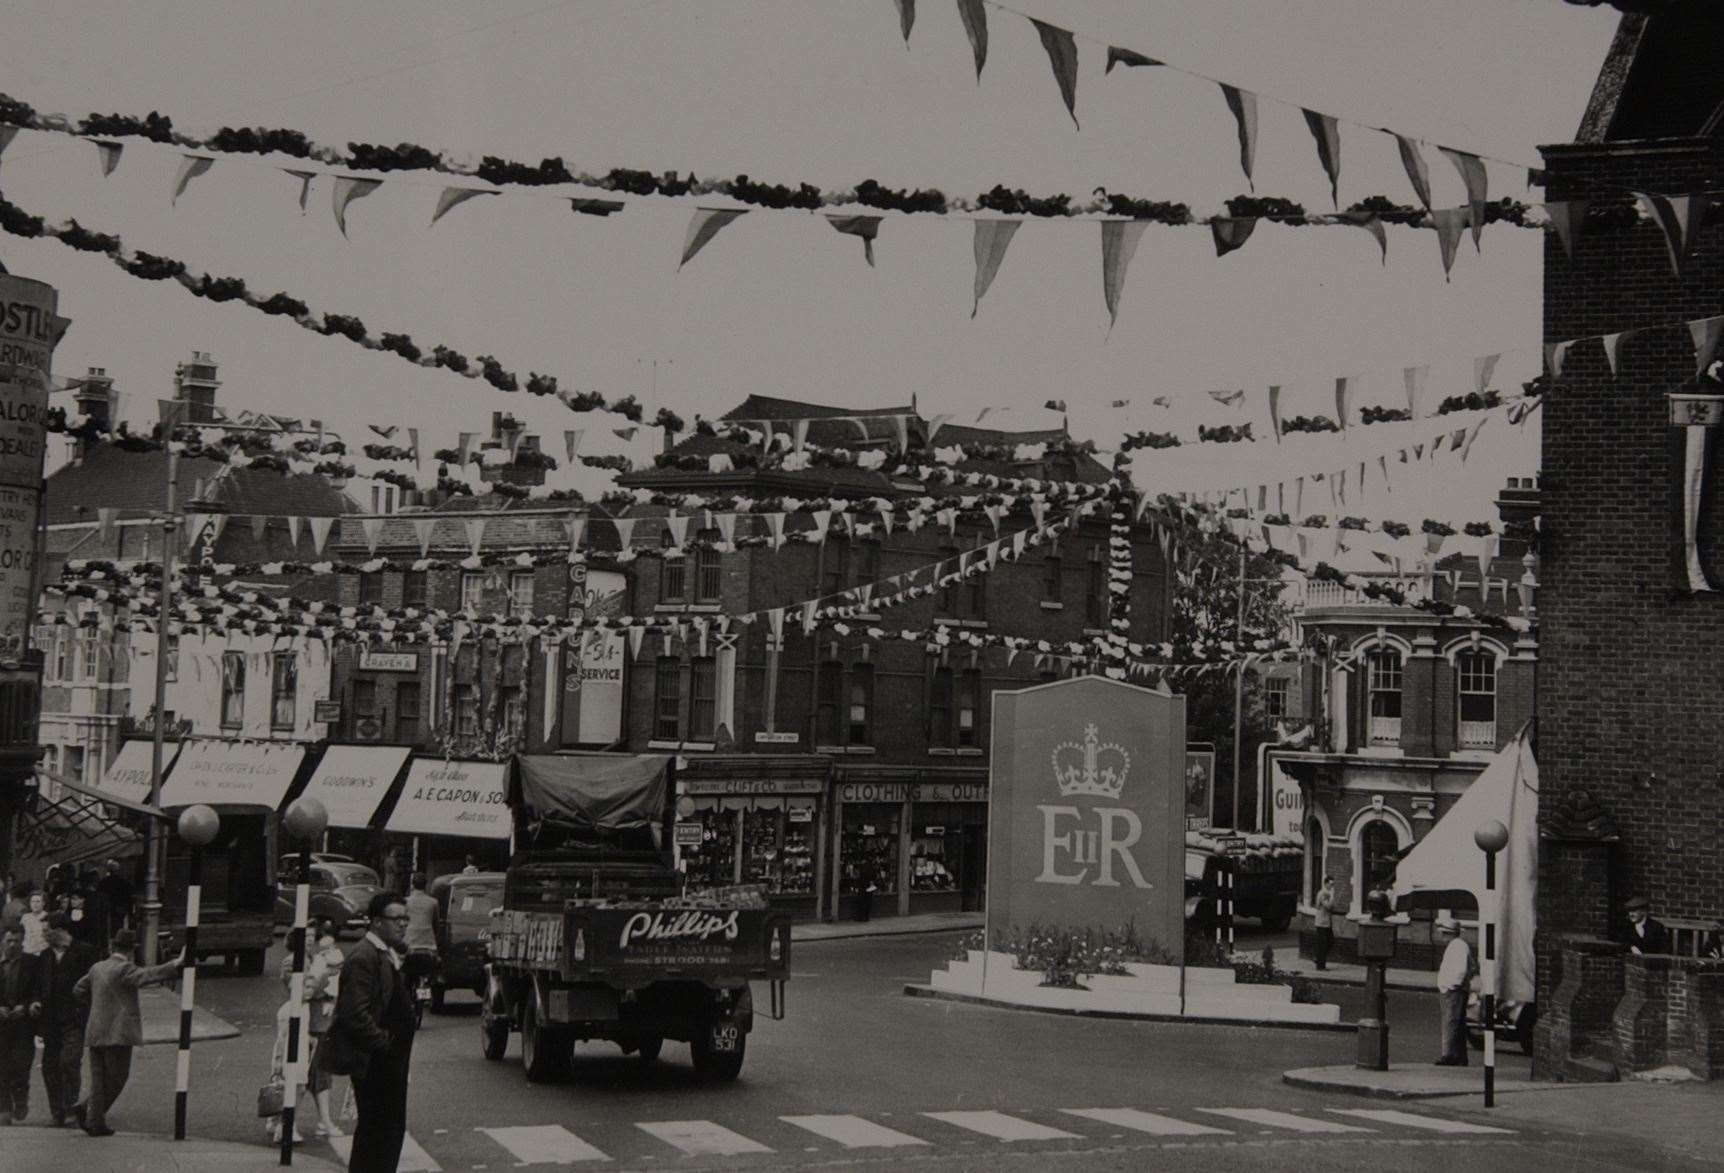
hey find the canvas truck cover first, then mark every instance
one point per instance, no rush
(604, 792)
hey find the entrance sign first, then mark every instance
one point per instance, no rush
(1086, 821)
(1199, 785)
(30, 328)
(468, 799)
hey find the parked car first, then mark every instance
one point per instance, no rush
(464, 931)
(340, 892)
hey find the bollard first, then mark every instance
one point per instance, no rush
(198, 826)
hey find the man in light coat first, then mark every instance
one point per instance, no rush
(115, 1025)
(1454, 979)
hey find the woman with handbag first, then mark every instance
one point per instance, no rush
(322, 974)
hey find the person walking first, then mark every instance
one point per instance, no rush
(371, 1039)
(423, 914)
(1324, 920)
(61, 1025)
(20, 1004)
(115, 1024)
(1454, 978)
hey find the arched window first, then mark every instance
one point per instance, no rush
(1476, 688)
(1378, 845)
(1385, 688)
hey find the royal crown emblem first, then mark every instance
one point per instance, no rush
(1094, 767)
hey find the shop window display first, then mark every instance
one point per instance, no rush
(713, 861)
(930, 869)
(777, 852)
(869, 852)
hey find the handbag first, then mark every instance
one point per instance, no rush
(269, 1098)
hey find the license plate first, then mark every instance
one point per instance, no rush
(423, 994)
(724, 1036)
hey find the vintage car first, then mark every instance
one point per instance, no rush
(340, 892)
(466, 901)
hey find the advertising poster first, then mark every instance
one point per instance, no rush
(1199, 785)
(594, 663)
(1286, 802)
(30, 328)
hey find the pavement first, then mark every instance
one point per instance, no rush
(41, 1149)
(889, 926)
(159, 1007)
(1420, 1081)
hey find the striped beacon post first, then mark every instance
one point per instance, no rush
(304, 822)
(1491, 838)
(198, 827)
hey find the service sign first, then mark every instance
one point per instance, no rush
(30, 328)
(466, 799)
(594, 663)
(1086, 822)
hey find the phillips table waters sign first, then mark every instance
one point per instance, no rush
(30, 328)
(1086, 825)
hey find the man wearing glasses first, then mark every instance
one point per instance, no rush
(371, 1038)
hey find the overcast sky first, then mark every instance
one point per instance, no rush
(822, 91)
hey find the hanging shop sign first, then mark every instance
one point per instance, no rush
(370, 661)
(802, 814)
(30, 328)
(326, 712)
(1086, 824)
(467, 799)
(1199, 785)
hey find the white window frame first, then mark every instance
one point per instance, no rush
(472, 590)
(521, 602)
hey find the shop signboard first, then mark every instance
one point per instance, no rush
(776, 737)
(1086, 826)
(233, 773)
(128, 776)
(912, 792)
(1199, 785)
(802, 814)
(689, 834)
(30, 328)
(370, 661)
(595, 663)
(351, 781)
(326, 712)
(1286, 802)
(464, 799)
(752, 786)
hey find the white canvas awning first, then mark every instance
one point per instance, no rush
(464, 799)
(127, 779)
(232, 773)
(352, 780)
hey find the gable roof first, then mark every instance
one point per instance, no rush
(110, 477)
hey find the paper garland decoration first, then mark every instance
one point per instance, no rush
(1484, 368)
(1566, 217)
(191, 166)
(1119, 239)
(1121, 56)
(1243, 103)
(452, 197)
(703, 226)
(7, 134)
(305, 178)
(1327, 132)
(347, 189)
(975, 18)
(1418, 173)
(867, 227)
(1678, 218)
(1231, 232)
(992, 239)
(1449, 223)
(906, 17)
(1062, 55)
(1275, 412)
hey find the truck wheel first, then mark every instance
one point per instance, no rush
(436, 999)
(249, 962)
(1278, 922)
(543, 1051)
(649, 1049)
(493, 1035)
(722, 1066)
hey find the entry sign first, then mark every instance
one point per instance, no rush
(1086, 822)
(689, 834)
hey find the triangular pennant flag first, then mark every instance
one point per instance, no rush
(901, 429)
(1243, 103)
(1119, 56)
(975, 18)
(475, 534)
(1231, 232)
(1567, 217)
(1383, 467)
(1613, 348)
(992, 239)
(320, 527)
(1706, 333)
(726, 523)
(1472, 434)
(799, 434)
(1275, 412)
(625, 531)
(1676, 220)
(1555, 353)
(588, 206)
(1327, 132)
(1449, 223)
(1417, 172)
(1062, 55)
(906, 17)
(703, 226)
(8, 133)
(347, 189)
(1477, 180)
(1414, 378)
(413, 444)
(422, 529)
(105, 518)
(1484, 368)
(822, 523)
(867, 227)
(775, 626)
(1343, 400)
(452, 197)
(636, 634)
(1118, 244)
(1372, 223)
(775, 524)
(293, 524)
(109, 155)
(373, 530)
(191, 166)
(572, 441)
(464, 446)
(808, 610)
(678, 524)
(305, 178)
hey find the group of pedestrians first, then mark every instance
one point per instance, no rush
(95, 905)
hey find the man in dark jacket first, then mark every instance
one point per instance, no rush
(371, 1038)
(20, 1003)
(61, 1025)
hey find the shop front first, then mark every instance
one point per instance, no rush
(449, 810)
(909, 841)
(351, 781)
(754, 819)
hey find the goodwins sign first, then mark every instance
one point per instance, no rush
(1087, 819)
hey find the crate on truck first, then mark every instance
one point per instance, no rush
(599, 938)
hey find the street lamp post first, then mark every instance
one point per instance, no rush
(304, 823)
(198, 826)
(1491, 838)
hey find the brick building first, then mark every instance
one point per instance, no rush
(1629, 744)
(819, 767)
(1408, 708)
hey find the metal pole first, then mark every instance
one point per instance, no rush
(1239, 687)
(156, 841)
(1227, 887)
(296, 1024)
(188, 980)
(1488, 976)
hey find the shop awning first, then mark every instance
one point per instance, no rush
(232, 773)
(606, 792)
(127, 779)
(466, 799)
(352, 780)
(70, 830)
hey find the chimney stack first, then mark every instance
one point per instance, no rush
(95, 397)
(195, 384)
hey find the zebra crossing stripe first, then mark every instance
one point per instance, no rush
(544, 1144)
(1285, 1120)
(1001, 1126)
(1413, 1120)
(1145, 1122)
(413, 1158)
(853, 1132)
(702, 1138)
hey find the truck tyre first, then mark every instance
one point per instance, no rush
(544, 1051)
(493, 1035)
(649, 1049)
(1277, 922)
(721, 1066)
(249, 962)
(436, 998)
